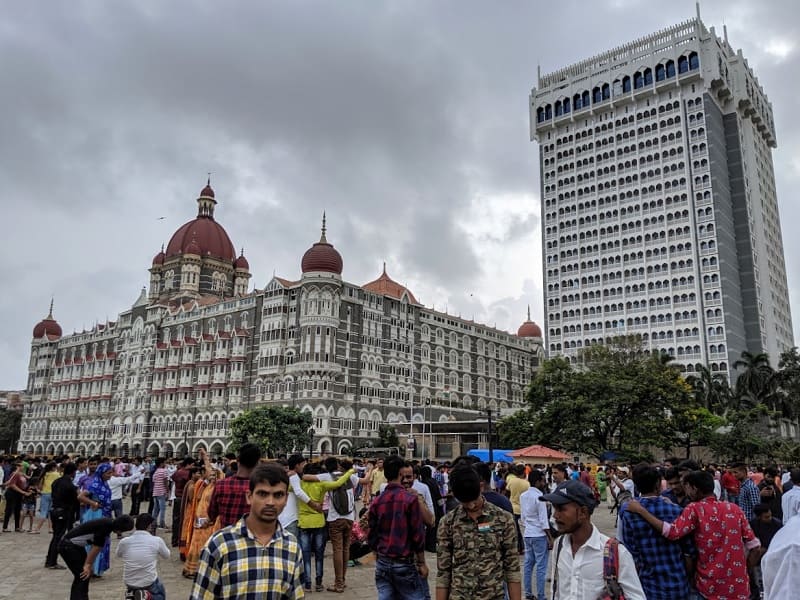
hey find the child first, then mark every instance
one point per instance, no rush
(29, 504)
(358, 538)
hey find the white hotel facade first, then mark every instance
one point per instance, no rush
(660, 216)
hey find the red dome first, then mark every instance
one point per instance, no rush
(209, 236)
(241, 263)
(193, 248)
(158, 259)
(207, 192)
(47, 327)
(529, 329)
(322, 256)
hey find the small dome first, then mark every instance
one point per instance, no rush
(529, 329)
(322, 256)
(386, 286)
(241, 263)
(158, 259)
(207, 192)
(47, 327)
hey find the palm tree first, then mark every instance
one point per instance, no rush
(712, 392)
(757, 381)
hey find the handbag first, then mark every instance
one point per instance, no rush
(612, 590)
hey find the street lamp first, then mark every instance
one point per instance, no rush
(311, 433)
(186, 442)
(103, 444)
(491, 445)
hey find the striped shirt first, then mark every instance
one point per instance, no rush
(160, 486)
(234, 564)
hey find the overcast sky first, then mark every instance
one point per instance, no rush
(406, 121)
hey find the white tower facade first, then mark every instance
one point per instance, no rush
(659, 211)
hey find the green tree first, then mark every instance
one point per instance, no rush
(618, 397)
(276, 430)
(388, 436)
(10, 423)
(516, 431)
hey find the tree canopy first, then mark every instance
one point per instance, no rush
(275, 429)
(618, 397)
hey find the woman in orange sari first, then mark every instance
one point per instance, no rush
(188, 504)
(202, 527)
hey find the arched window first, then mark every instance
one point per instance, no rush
(626, 84)
(661, 73)
(648, 76)
(670, 68)
(576, 100)
(559, 108)
(694, 61)
(597, 95)
(539, 114)
(606, 91)
(683, 64)
(638, 80)
(548, 112)
(585, 98)
(566, 105)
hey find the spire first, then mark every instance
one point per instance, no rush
(529, 312)
(384, 268)
(50, 314)
(323, 239)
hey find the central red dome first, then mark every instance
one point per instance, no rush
(322, 256)
(47, 327)
(205, 233)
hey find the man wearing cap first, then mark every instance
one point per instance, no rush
(476, 545)
(578, 573)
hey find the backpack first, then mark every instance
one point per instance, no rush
(340, 498)
(612, 590)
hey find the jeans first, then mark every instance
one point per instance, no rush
(160, 510)
(44, 507)
(398, 581)
(175, 538)
(156, 590)
(339, 531)
(61, 520)
(13, 508)
(535, 554)
(116, 508)
(294, 529)
(75, 557)
(312, 540)
(520, 542)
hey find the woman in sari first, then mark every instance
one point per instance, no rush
(97, 497)
(203, 528)
(191, 494)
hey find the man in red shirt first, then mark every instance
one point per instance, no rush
(397, 536)
(229, 499)
(722, 535)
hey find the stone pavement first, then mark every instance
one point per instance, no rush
(22, 574)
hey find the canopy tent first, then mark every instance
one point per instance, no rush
(539, 455)
(497, 455)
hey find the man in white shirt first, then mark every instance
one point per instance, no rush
(140, 553)
(117, 484)
(536, 527)
(780, 566)
(578, 573)
(790, 502)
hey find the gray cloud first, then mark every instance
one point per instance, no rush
(396, 118)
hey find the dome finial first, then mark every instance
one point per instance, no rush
(209, 179)
(384, 267)
(50, 314)
(323, 239)
(529, 312)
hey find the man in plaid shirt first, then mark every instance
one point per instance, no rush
(254, 559)
(660, 563)
(397, 536)
(229, 499)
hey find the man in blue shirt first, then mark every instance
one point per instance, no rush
(749, 496)
(661, 564)
(675, 492)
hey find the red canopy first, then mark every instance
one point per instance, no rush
(538, 451)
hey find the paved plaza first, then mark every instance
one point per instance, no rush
(22, 574)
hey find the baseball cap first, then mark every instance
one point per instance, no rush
(571, 491)
(623, 469)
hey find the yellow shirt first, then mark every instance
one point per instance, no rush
(516, 487)
(377, 479)
(47, 482)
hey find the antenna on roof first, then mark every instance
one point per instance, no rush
(697, 6)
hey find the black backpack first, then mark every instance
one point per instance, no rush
(340, 498)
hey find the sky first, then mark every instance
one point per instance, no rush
(407, 122)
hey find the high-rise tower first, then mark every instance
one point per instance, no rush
(659, 211)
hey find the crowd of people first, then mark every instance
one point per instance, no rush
(246, 527)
